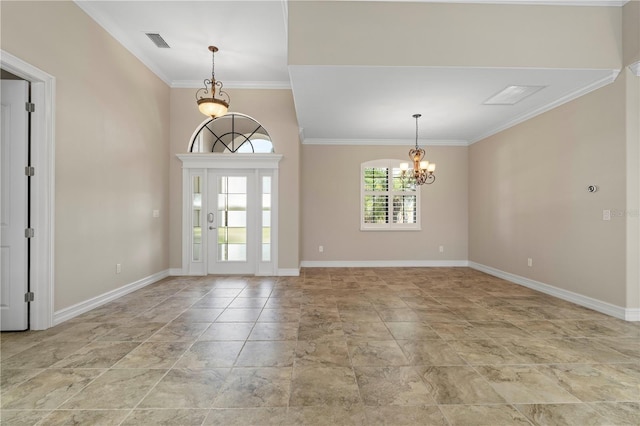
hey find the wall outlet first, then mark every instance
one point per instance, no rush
(441, 249)
(606, 214)
(321, 249)
(118, 268)
(529, 262)
(156, 213)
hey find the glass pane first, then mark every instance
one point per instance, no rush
(400, 184)
(376, 209)
(404, 209)
(266, 218)
(237, 185)
(196, 217)
(232, 218)
(237, 202)
(236, 252)
(236, 219)
(376, 179)
(266, 184)
(266, 202)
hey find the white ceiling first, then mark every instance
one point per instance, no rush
(333, 104)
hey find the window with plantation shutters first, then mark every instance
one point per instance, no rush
(387, 202)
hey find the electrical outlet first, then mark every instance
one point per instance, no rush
(156, 213)
(321, 249)
(606, 214)
(530, 262)
(118, 268)
(441, 249)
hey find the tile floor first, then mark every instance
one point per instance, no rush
(432, 346)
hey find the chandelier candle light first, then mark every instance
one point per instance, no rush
(212, 106)
(422, 170)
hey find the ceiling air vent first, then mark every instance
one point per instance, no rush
(157, 40)
(511, 95)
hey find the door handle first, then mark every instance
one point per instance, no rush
(210, 219)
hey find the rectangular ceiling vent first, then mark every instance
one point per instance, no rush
(511, 95)
(158, 40)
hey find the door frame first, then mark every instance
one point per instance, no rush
(42, 188)
(199, 164)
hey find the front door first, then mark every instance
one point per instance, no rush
(14, 205)
(232, 222)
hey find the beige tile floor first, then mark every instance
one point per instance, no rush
(432, 346)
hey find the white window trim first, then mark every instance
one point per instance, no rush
(390, 164)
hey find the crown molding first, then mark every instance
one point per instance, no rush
(383, 142)
(600, 3)
(197, 84)
(544, 108)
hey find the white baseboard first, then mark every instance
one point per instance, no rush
(382, 263)
(289, 272)
(632, 314)
(578, 299)
(80, 308)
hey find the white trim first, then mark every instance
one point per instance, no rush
(635, 68)
(229, 161)
(82, 307)
(267, 85)
(579, 299)
(544, 108)
(383, 263)
(43, 92)
(603, 3)
(384, 142)
(632, 314)
(289, 272)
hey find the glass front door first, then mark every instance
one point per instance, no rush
(232, 223)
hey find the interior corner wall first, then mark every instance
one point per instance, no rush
(529, 199)
(111, 136)
(274, 110)
(331, 207)
(632, 213)
(631, 32)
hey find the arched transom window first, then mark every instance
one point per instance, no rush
(231, 133)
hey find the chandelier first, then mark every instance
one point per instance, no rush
(212, 106)
(422, 170)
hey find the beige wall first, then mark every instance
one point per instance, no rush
(631, 32)
(438, 34)
(528, 197)
(331, 207)
(274, 110)
(111, 165)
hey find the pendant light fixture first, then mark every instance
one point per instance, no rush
(422, 170)
(212, 106)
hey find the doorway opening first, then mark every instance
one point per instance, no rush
(41, 191)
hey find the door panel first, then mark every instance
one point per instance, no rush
(14, 209)
(232, 226)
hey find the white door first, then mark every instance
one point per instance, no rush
(13, 207)
(232, 222)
